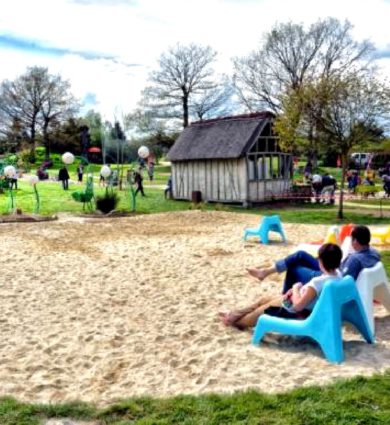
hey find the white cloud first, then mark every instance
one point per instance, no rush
(137, 32)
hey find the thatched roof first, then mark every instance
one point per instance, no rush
(221, 138)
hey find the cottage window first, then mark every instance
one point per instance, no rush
(269, 166)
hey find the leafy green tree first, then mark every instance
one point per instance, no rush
(146, 129)
(354, 109)
(94, 122)
(65, 136)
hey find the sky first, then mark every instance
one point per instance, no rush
(107, 48)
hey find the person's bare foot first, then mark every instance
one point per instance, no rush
(229, 318)
(258, 273)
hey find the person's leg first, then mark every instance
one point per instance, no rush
(230, 318)
(260, 273)
(296, 274)
(250, 319)
(299, 258)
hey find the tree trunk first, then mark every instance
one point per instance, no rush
(344, 164)
(32, 140)
(46, 141)
(185, 109)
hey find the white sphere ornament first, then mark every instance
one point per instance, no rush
(67, 158)
(143, 152)
(105, 171)
(34, 180)
(9, 171)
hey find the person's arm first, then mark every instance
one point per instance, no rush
(351, 266)
(301, 300)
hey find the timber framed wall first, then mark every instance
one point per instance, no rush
(217, 180)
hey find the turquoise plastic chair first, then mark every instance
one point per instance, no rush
(269, 223)
(339, 301)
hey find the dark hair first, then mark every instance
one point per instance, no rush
(330, 255)
(361, 234)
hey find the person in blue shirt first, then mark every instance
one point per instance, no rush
(301, 266)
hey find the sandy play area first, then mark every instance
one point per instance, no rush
(101, 309)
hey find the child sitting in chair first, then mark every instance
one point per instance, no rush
(298, 302)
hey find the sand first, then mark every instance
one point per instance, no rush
(102, 309)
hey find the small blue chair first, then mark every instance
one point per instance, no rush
(270, 223)
(339, 301)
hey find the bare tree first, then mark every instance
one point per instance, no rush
(290, 56)
(36, 99)
(58, 105)
(214, 102)
(184, 71)
(22, 100)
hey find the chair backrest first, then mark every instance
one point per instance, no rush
(333, 235)
(346, 247)
(345, 230)
(270, 220)
(372, 275)
(333, 292)
(339, 301)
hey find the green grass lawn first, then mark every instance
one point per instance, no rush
(54, 200)
(358, 401)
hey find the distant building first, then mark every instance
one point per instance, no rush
(234, 160)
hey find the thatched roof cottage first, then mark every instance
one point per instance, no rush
(234, 160)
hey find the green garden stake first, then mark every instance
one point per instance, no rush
(130, 189)
(37, 201)
(132, 197)
(33, 181)
(11, 202)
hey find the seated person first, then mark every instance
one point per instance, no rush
(369, 176)
(302, 267)
(298, 302)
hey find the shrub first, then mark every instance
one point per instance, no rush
(40, 153)
(11, 159)
(197, 206)
(107, 202)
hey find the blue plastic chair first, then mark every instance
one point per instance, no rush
(269, 223)
(339, 301)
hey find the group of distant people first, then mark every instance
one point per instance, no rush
(354, 179)
(324, 186)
